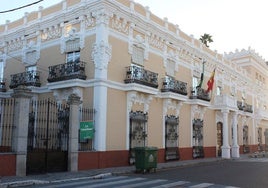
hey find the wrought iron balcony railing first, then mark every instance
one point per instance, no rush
(169, 84)
(135, 74)
(29, 78)
(244, 107)
(3, 85)
(199, 93)
(67, 71)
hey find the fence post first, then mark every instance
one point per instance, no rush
(74, 102)
(22, 97)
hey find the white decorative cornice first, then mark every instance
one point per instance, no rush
(101, 55)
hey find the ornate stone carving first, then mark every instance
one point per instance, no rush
(172, 105)
(102, 16)
(63, 94)
(140, 42)
(156, 41)
(101, 55)
(74, 38)
(50, 33)
(198, 111)
(120, 25)
(90, 22)
(15, 44)
(134, 98)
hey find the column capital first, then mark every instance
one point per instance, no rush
(22, 92)
(74, 99)
(225, 111)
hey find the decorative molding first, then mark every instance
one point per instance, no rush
(120, 25)
(72, 36)
(31, 53)
(53, 32)
(102, 16)
(63, 94)
(219, 117)
(169, 104)
(139, 41)
(101, 55)
(198, 111)
(137, 98)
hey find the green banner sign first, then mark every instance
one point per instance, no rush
(86, 130)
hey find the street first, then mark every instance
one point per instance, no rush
(245, 173)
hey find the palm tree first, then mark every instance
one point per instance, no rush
(205, 39)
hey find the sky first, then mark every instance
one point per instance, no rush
(233, 24)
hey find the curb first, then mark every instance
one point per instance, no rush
(38, 182)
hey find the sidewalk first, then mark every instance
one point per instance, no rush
(15, 181)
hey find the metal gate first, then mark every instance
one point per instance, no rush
(48, 134)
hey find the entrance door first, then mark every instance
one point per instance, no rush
(47, 137)
(219, 138)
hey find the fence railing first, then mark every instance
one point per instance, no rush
(6, 124)
(86, 114)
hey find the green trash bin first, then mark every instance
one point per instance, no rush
(145, 159)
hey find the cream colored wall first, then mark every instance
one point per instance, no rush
(87, 57)
(119, 61)
(210, 128)
(13, 66)
(49, 57)
(155, 123)
(15, 24)
(185, 126)
(116, 120)
(52, 9)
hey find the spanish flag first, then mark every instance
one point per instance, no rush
(210, 82)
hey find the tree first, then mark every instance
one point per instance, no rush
(205, 39)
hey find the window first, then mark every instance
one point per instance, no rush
(1, 70)
(73, 57)
(218, 92)
(31, 69)
(170, 68)
(138, 55)
(195, 82)
(31, 73)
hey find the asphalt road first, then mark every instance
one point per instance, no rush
(251, 173)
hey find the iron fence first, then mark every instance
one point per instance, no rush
(86, 114)
(6, 123)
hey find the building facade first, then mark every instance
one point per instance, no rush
(147, 81)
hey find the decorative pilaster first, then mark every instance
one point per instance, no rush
(235, 146)
(74, 102)
(101, 55)
(22, 97)
(225, 147)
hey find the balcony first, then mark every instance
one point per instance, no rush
(244, 107)
(169, 84)
(67, 71)
(29, 78)
(3, 85)
(199, 93)
(135, 74)
(225, 101)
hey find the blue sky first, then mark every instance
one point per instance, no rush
(233, 24)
